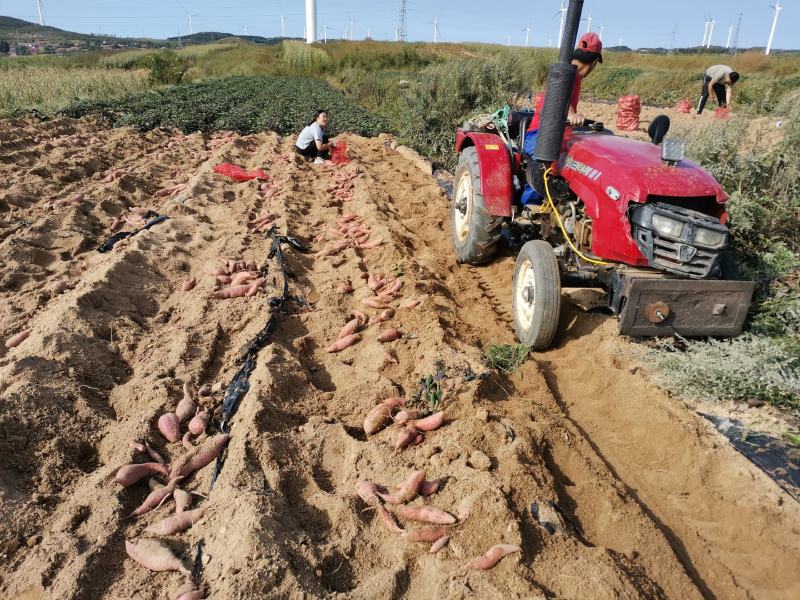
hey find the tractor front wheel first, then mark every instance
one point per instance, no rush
(536, 301)
(475, 231)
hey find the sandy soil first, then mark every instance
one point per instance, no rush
(655, 503)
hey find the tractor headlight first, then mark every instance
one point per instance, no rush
(709, 237)
(673, 151)
(666, 226)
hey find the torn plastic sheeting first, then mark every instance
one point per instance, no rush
(237, 173)
(776, 458)
(109, 243)
(240, 384)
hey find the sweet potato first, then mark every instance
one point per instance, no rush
(237, 291)
(254, 287)
(371, 245)
(406, 415)
(189, 284)
(207, 453)
(359, 315)
(395, 286)
(205, 390)
(425, 534)
(429, 423)
(367, 491)
(410, 303)
(427, 514)
(375, 282)
(374, 302)
(493, 556)
(439, 544)
(223, 279)
(176, 523)
(138, 447)
(199, 422)
(243, 277)
(155, 456)
(251, 265)
(428, 488)
(345, 288)
(170, 426)
(389, 335)
(407, 490)
(186, 441)
(377, 418)
(154, 555)
(183, 500)
(16, 340)
(188, 591)
(349, 329)
(130, 474)
(388, 520)
(465, 506)
(156, 497)
(386, 297)
(343, 343)
(383, 317)
(186, 407)
(405, 437)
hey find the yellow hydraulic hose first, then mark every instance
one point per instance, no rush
(561, 224)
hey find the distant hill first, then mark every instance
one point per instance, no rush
(205, 37)
(12, 29)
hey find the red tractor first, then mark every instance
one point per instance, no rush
(634, 218)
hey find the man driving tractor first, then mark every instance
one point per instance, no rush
(586, 56)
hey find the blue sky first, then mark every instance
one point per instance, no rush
(640, 24)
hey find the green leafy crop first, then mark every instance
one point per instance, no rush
(246, 104)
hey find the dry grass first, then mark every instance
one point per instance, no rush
(50, 87)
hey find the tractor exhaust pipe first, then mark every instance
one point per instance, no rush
(560, 81)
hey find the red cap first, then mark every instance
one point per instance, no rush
(591, 43)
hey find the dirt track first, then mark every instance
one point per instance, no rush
(656, 503)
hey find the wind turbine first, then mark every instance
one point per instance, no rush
(190, 15)
(508, 40)
(397, 33)
(527, 31)
(244, 27)
(311, 21)
(777, 8)
(730, 35)
(41, 12)
(589, 23)
(705, 33)
(602, 28)
(710, 33)
(283, 26)
(325, 34)
(563, 11)
(436, 30)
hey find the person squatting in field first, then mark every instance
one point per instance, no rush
(313, 140)
(720, 80)
(586, 57)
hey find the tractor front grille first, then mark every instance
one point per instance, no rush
(681, 253)
(675, 256)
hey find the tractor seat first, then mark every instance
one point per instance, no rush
(518, 122)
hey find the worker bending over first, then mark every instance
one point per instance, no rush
(720, 80)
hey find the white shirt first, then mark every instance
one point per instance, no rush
(309, 135)
(718, 72)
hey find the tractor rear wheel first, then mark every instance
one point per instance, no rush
(475, 231)
(536, 300)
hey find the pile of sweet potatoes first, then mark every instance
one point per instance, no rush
(164, 481)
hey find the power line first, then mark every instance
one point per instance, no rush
(403, 32)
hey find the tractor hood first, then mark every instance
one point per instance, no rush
(634, 169)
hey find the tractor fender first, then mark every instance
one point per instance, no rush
(494, 160)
